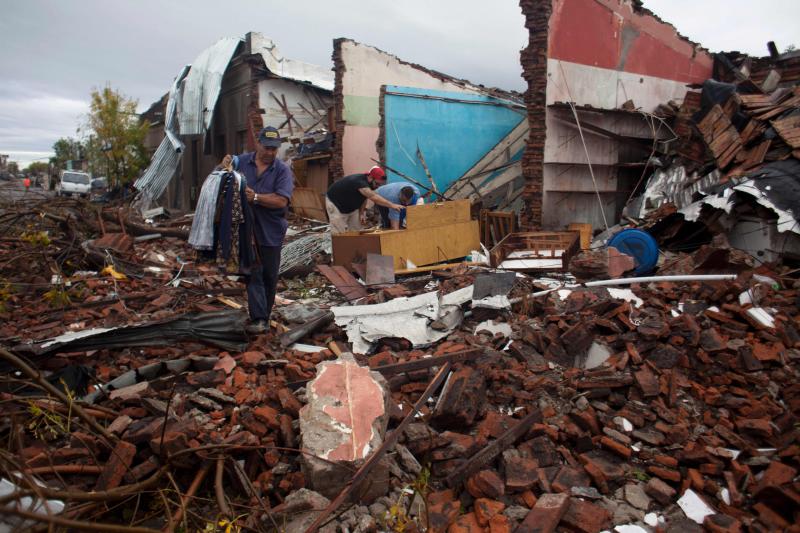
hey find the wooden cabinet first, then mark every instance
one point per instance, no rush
(435, 233)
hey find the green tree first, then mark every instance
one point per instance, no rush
(38, 167)
(116, 139)
(67, 149)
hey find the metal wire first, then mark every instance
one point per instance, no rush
(302, 251)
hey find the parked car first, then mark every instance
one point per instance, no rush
(71, 182)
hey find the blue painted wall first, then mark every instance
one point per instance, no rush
(452, 136)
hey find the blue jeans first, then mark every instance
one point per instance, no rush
(263, 283)
(384, 212)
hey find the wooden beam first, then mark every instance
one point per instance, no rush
(495, 448)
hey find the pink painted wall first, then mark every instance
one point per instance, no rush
(358, 148)
(608, 34)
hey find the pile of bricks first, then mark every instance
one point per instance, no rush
(703, 401)
(672, 407)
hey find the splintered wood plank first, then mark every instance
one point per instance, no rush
(343, 281)
(789, 130)
(351, 288)
(720, 135)
(780, 108)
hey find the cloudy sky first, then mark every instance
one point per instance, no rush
(55, 52)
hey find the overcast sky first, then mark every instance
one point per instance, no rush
(56, 52)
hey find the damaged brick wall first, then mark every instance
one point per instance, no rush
(336, 167)
(380, 144)
(601, 55)
(534, 71)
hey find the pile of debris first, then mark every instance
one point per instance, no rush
(736, 170)
(134, 400)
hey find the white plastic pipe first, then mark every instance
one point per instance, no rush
(655, 279)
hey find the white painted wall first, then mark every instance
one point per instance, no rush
(608, 89)
(367, 68)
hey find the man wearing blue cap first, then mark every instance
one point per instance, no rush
(269, 188)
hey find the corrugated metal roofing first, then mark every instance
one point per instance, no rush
(194, 95)
(167, 156)
(201, 88)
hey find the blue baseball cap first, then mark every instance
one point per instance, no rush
(269, 137)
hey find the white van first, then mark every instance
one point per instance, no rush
(71, 182)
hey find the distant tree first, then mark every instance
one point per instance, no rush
(790, 48)
(37, 167)
(13, 167)
(116, 140)
(67, 149)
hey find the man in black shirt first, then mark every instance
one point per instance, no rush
(346, 200)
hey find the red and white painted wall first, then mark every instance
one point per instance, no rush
(601, 54)
(605, 52)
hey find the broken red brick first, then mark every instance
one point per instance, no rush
(380, 359)
(569, 477)
(461, 400)
(494, 424)
(529, 498)
(252, 358)
(520, 473)
(466, 523)
(666, 460)
(722, 523)
(660, 491)
(775, 475)
(770, 517)
(695, 479)
(117, 466)
(289, 402)
(586, 517)
(597, 476)
(545, 515)
(499, 524)
(485, 509)
(647, 381)
(268, 415)
(443, 510)
(486, 484)
(171, 443)
(604, 463)
(616, 447)
(768, 353)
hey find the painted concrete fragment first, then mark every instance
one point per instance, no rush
(343, 422)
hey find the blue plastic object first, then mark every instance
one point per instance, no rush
(640, 245)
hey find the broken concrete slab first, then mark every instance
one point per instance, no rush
(343, 422)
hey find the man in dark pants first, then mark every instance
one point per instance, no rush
(269, 188)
